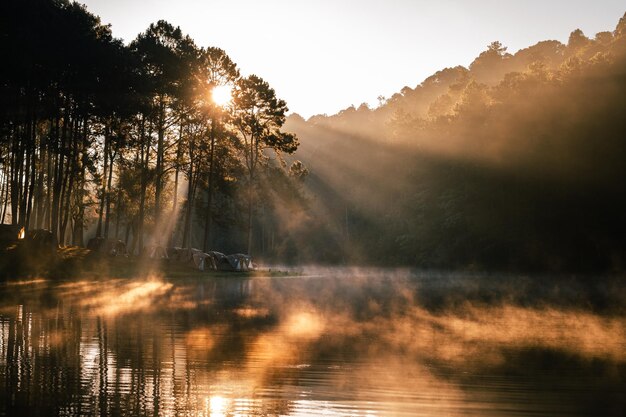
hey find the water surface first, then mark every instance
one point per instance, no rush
(341, 342)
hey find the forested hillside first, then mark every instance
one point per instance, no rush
(515, 163)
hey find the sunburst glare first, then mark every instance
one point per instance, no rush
(221, 95)
(217, 406)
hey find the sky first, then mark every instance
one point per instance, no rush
(322, 56)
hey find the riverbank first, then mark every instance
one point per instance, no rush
(74, 262)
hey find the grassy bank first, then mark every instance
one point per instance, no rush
(74, 262)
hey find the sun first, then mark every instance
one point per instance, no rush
(221, 95)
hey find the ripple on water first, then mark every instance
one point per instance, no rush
(301, 347)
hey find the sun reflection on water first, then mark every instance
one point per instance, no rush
(218, 406)
(294, 351)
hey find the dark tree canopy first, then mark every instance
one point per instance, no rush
(97, 137)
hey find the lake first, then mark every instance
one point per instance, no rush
(332, 342)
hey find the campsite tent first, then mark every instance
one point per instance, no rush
(200, 260)
(240, 262)
(211, 260)
(42, 241)
(218, 261)
(111, 247)
(10, 234)
(236, 262)
(38, 241)
(194, 257)
(222, 263)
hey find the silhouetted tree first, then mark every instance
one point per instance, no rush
(258, 117)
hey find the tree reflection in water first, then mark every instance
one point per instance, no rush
(343, 343)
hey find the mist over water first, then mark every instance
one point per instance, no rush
(334, 341)
(514, 163)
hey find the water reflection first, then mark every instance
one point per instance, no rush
(339, 344)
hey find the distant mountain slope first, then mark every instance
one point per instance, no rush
(513, 163)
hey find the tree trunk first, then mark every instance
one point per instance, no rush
(78, 235)
(58, 177)
(144, 158)
(69, 183)
(25, 169)
(251, 171)
(32, 172)
(39, 206)
(49, 170)
(179, 155)
(14, 175)
(250, 190)
(5, 196)
(108, 195)
(188, 211)
(118, 210)
(103, 189)
(159, 164)
(209, 216)
(127, 234)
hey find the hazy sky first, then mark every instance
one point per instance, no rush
(323, 55)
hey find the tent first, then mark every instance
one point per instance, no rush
(200, 260)
(42, 241)
(236, 262)
(111, 247)
(10, 234)
(212, 260)
(240, 262)
(194, 257)
(222, 262)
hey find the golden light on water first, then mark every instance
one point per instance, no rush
(221, 95)
(306, 325)
(217, 406)
(284, 352)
